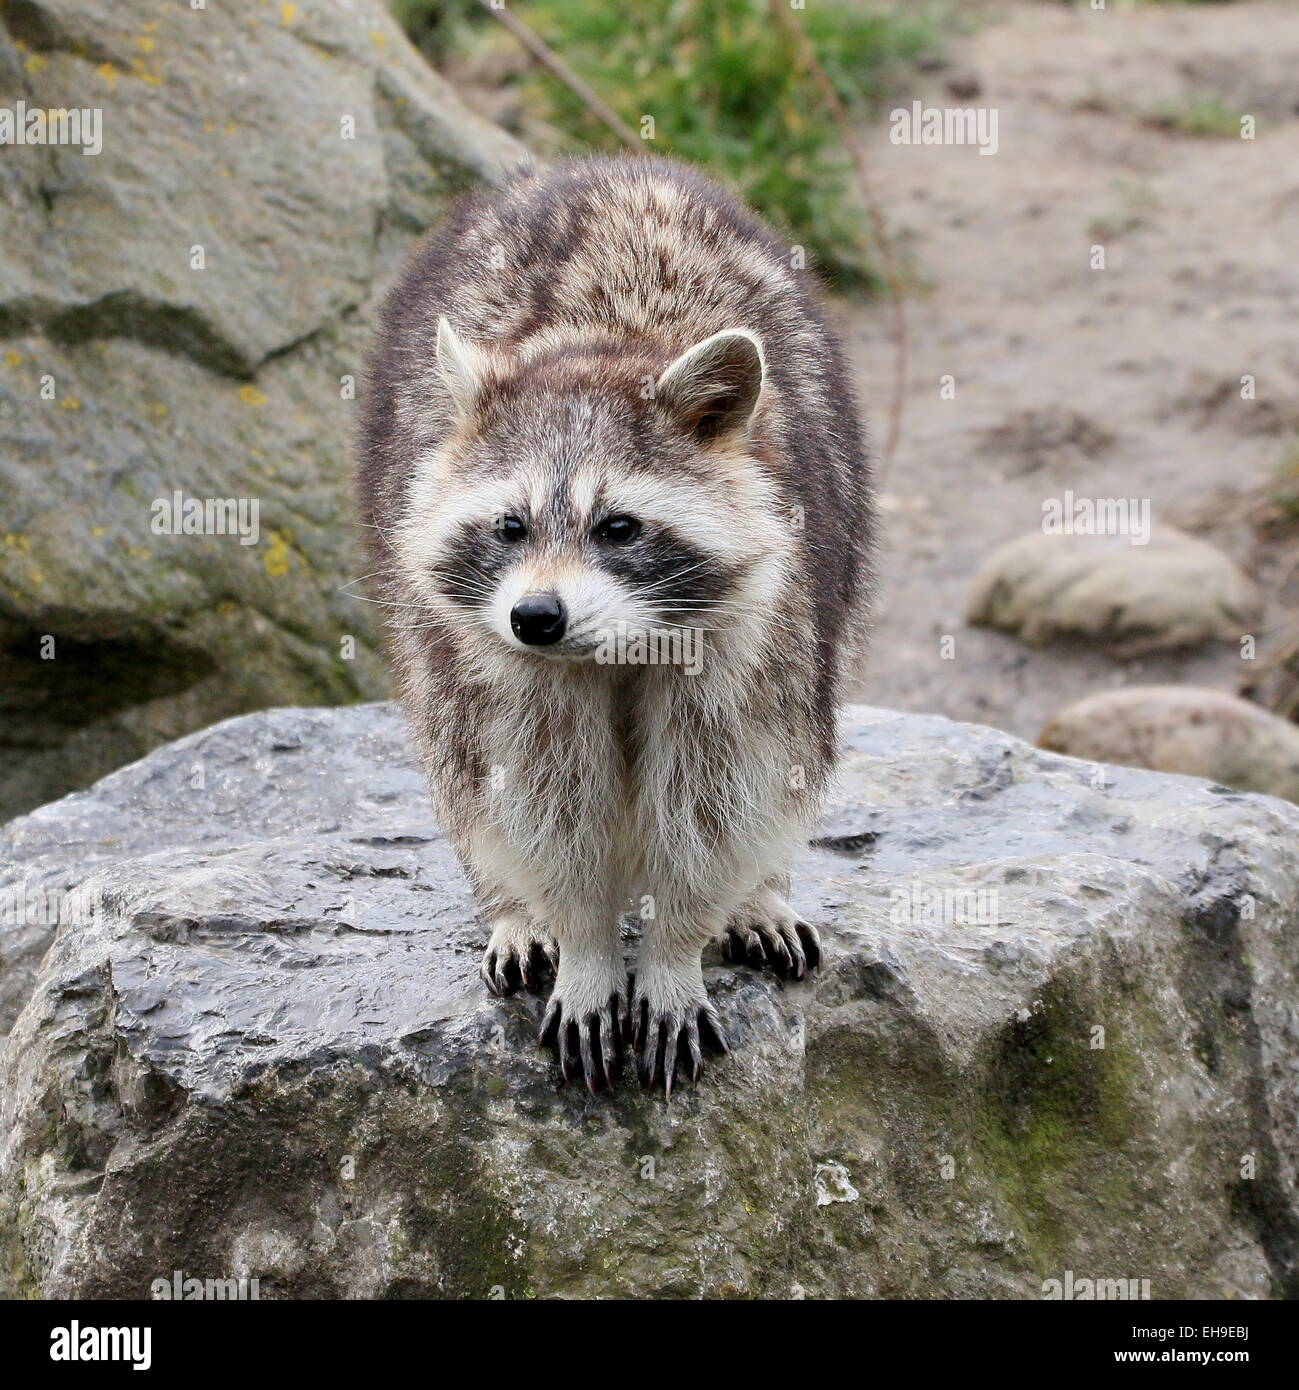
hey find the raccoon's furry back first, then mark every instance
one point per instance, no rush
(649, 257)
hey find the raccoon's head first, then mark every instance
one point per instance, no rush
(590, 490)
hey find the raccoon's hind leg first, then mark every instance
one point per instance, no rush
(519, 955)
(765, 930)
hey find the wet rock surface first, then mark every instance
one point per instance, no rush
(1055, 1030)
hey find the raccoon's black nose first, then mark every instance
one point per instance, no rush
(538, 619)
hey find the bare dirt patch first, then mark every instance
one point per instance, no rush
(1121, 382)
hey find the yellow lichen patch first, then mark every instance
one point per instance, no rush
(109, 73)
(69, 403)
(35, 576)
(146, 74)
(145, 44)
(36, 63)
(157, 410)
(276, 559)
(16, 541)
(250, 395)
(13, 359)
(288, 13)
(152, 26)
(377, 37)
(98, 530)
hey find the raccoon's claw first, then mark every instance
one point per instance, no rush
(591, 1040)
(668, 1042)
(512, 965)
(790, 948)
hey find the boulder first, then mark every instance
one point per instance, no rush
(1175, 728)
(1114, 591)
(184, 312)
(1054, 1037)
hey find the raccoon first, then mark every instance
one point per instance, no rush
(604, 416)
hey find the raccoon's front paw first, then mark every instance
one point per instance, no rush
(767, 931)
(585, 1020)
(518, 955)
(672, 1018)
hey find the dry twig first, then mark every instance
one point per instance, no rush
(560, 70)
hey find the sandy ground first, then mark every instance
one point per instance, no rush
(1122, 382)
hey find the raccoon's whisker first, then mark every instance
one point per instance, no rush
(467, 581)
(678, 574)
(467, 595)
(374, 526)
(371, 575)
(691, 627)
(413, 627)
(390, 603)
(466, 584)
(686, 605)
(673, 578)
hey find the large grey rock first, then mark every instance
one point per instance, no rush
(1168, 593)
(1055, 1030)
(302, 148)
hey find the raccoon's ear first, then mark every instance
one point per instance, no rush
(462, 366)
(713, 387)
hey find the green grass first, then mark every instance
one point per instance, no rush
(1204, 115)
(1286, 496)
(723, 90)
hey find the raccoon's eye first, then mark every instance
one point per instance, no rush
(510, 528)
(618, 530)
